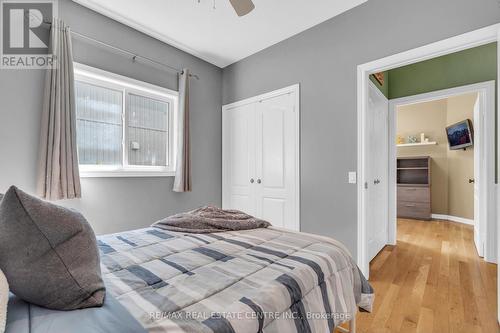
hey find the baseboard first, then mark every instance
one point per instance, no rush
(453, 218)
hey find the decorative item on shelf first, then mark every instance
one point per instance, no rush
(380, 77)
(426, 140)
(412, 139)
(422, 137)
(400, 140)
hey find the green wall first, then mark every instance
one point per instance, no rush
(470, 66)
(453, 70)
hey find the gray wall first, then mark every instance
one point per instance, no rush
(115, 204)
(324, 60)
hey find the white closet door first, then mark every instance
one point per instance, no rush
(276, 159)
(239, 159)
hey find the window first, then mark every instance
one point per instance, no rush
(124, 127)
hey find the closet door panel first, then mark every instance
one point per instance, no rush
(273, 148)
(274, 210)
(275, 160)
(239, 151)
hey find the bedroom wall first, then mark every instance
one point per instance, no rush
(323, 61)
(116, 204)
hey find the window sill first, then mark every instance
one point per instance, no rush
(125, 174)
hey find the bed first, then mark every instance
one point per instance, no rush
(260, 280)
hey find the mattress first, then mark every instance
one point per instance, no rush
(112, 317)
(261, 280)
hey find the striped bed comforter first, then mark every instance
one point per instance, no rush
(261, 280)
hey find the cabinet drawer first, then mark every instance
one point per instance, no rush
(416, 210)
(414, 194)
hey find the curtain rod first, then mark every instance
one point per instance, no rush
(134, 56)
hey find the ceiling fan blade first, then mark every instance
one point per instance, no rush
(242, 7)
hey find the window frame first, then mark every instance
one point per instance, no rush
(127, 86)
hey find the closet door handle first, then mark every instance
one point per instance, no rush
(259, 181)
(252, 181)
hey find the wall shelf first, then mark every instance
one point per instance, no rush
(417, 144)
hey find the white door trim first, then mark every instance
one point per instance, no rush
(295, 89)
(486, 228)
(447, 46)
(498, 186)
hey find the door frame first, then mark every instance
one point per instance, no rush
(484, 230)
(451, 45)
(295, 89)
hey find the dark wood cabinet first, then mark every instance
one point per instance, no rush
(414, 187)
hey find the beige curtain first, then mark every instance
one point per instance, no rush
(182, 181)
(58, 174)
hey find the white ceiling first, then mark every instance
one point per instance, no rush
(218, 35)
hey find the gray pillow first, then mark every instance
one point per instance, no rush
(48, 253)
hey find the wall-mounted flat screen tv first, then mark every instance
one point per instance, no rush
(460, 135)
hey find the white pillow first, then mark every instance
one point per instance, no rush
(4, 299)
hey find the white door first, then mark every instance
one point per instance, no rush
(260, 143)
(479, 183)
(498, 188)
(276, 160)
(239, 159)
(376, 183)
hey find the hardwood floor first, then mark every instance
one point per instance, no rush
(432, 282)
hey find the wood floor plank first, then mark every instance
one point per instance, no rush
(402, 314)
(383, 312)
(432, 281)
(425, 321)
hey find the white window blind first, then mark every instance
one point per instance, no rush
(124, 127)
(147, 131)
(99, 125)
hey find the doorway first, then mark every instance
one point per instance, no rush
(484, 215)
(451, 45)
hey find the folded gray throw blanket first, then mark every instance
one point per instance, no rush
(206, 220)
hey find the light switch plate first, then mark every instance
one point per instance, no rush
(352, 177)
